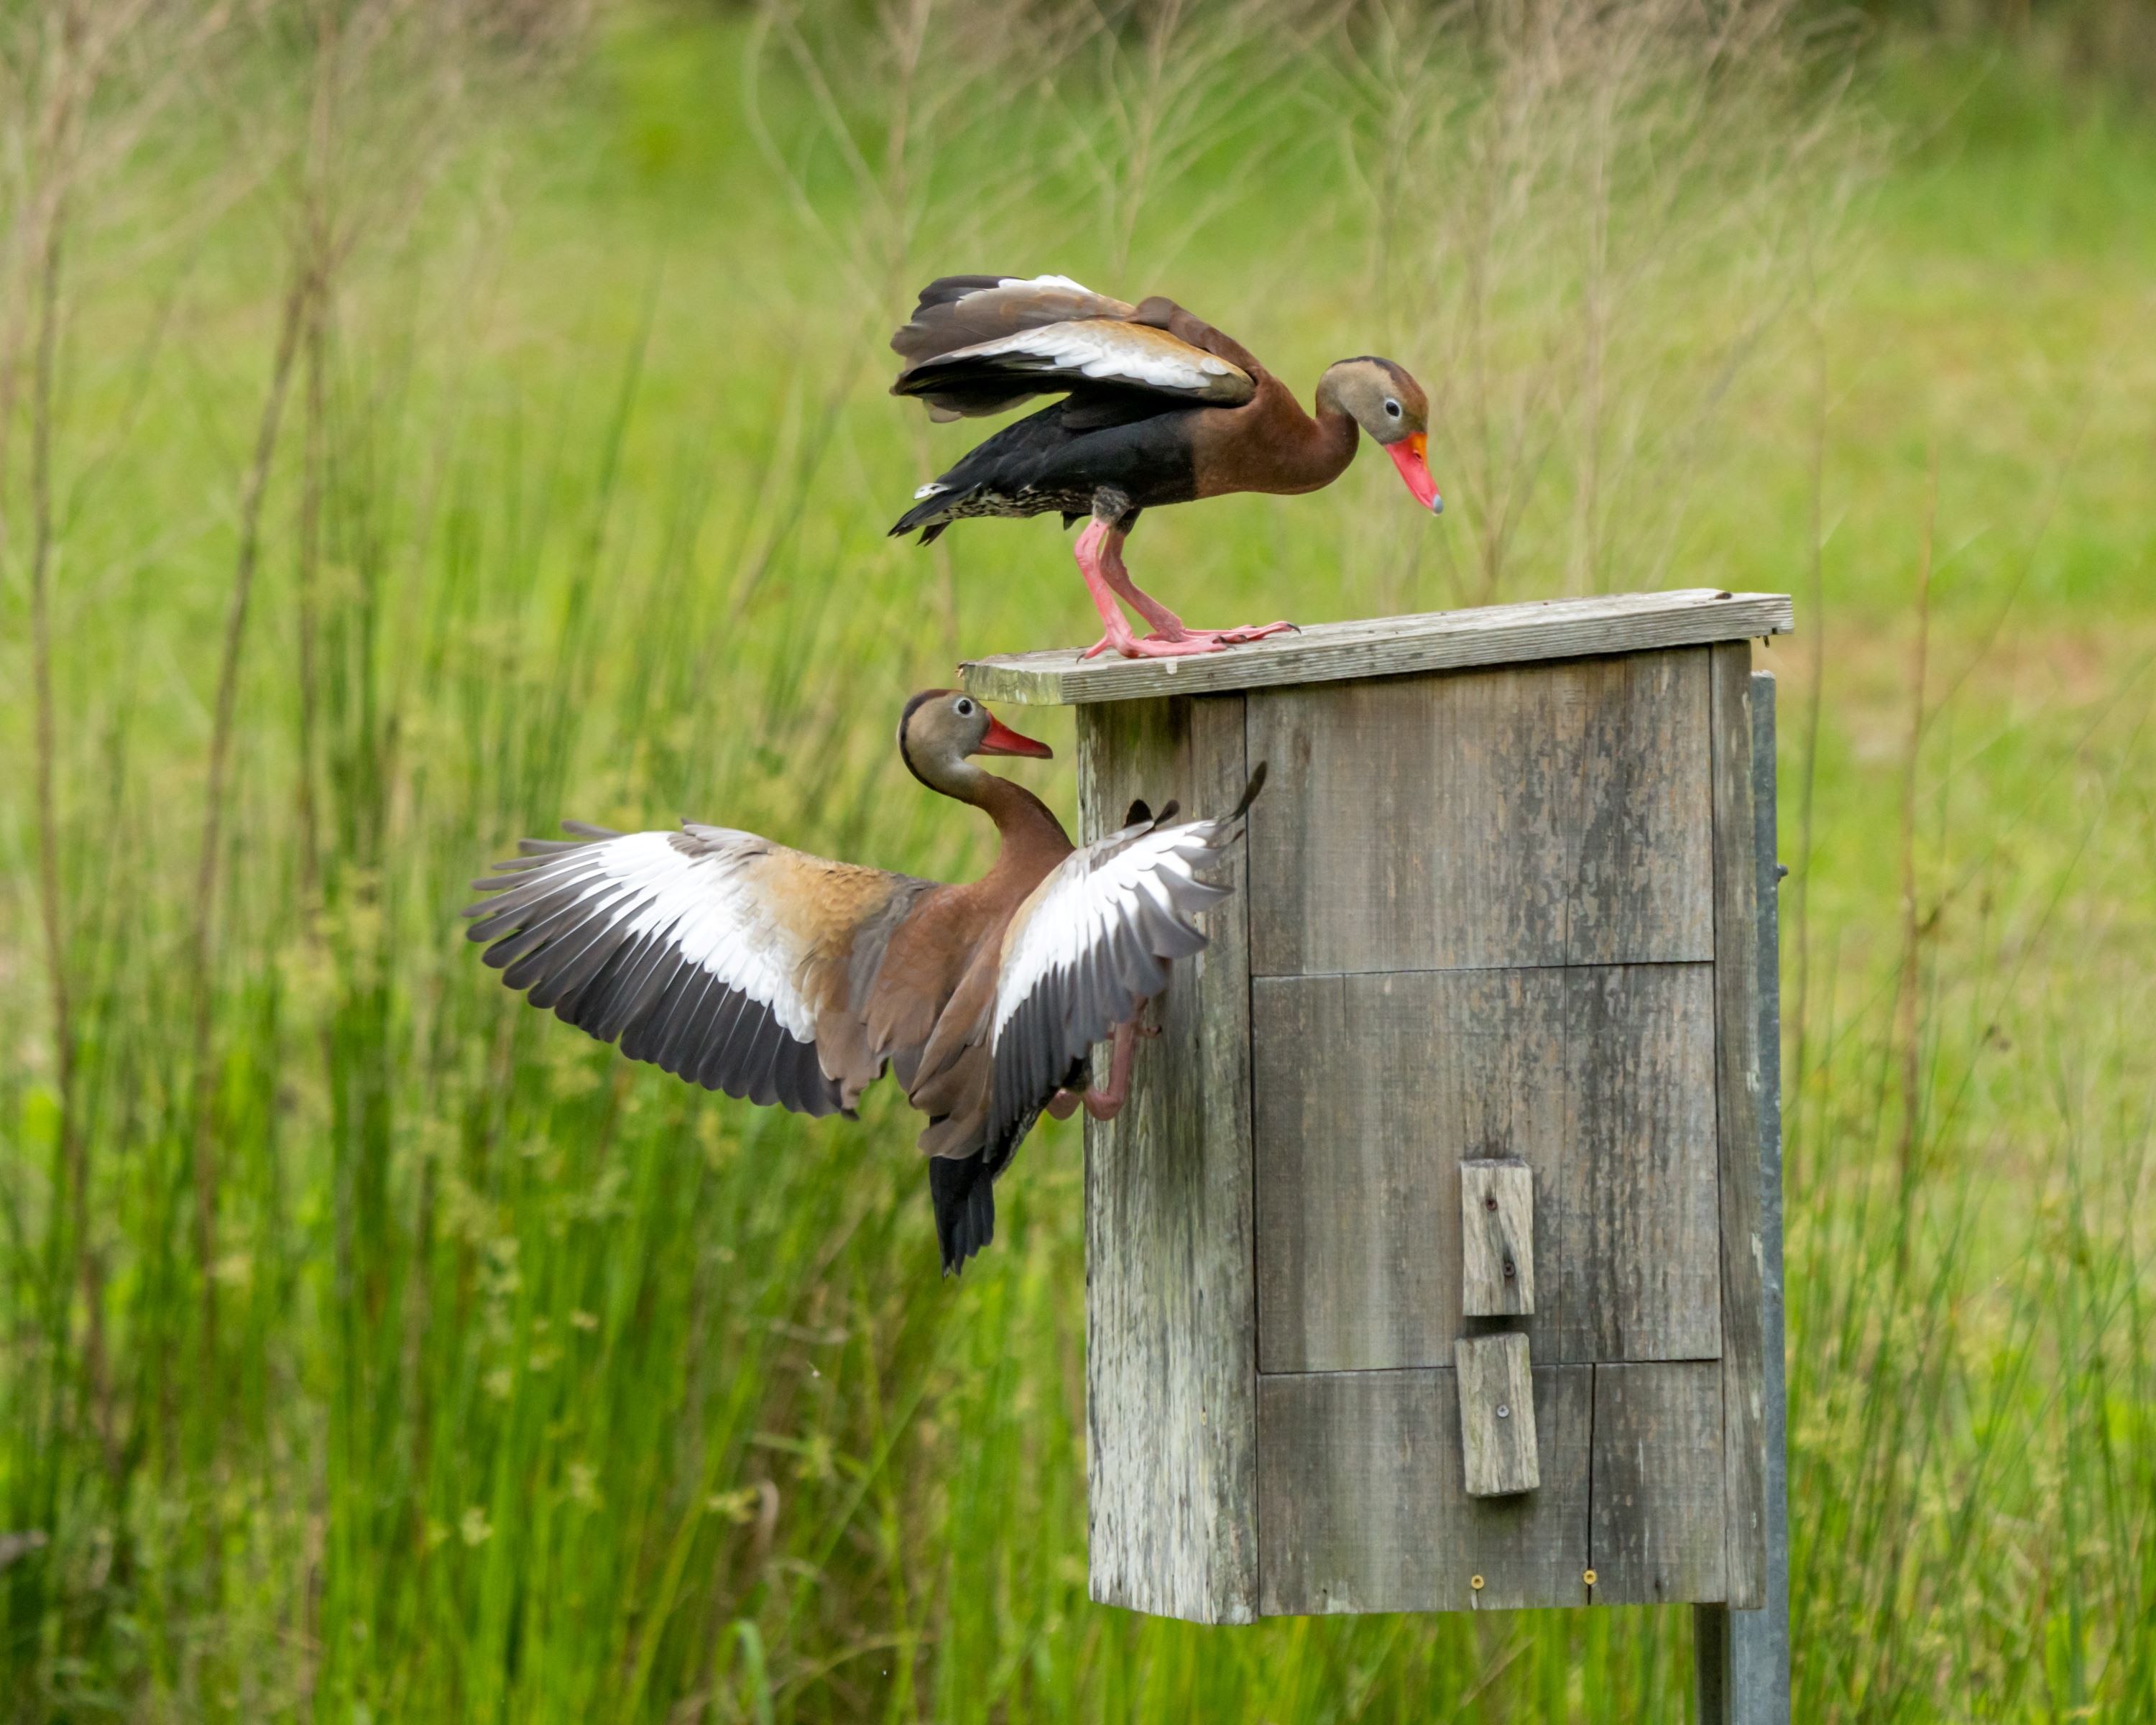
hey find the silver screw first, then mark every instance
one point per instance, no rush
(1504, 1412)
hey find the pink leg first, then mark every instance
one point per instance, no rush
(1104, 1104)
(1107, 1104)
(1170, 636)
(1103, 595)
(1093, 567)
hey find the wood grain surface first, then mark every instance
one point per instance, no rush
(1170, 1310)
(1392, 646)
(1657, 1535)
(1363, 1504)
(1496, 1415)
(1640, 1243)
(1371, 1091)
(1496, 1239)
(1737, 1100)
(1555, 814)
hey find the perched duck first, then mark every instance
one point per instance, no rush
(743, 966)
(1157, 408)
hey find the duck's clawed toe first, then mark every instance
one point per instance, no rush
(1190, 642)
(1153, 646)
(1250, 631)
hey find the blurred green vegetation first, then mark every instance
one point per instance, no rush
(376, 1348)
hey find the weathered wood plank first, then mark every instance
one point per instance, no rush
(1496, 1415)
(1363, 1505)
(1601, 1079)
(1391, 646)
(1639, 1233)
(1640, 835)
(1171, 1391)
(1657, 1521)
(1742, 1657)
(1371, 1090)
(1738, 1105)
(1547, 815)
(1415, 825)
(1496, 1239)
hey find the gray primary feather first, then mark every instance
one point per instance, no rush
(1073, 1005)
(560, 928)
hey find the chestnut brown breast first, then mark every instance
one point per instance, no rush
(1270, 444)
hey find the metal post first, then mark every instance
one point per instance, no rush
(1742, 1658)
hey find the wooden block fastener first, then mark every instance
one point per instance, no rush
(1496, 1238)
(1496, 1415)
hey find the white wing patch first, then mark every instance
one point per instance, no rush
(1048, 281)
(1107, 348)
(719, 921)
(1094, 901)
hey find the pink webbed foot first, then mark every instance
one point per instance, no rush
(1099, 555)
(1106, 1103)
(1154, 646)
(1190, 641)
(1237, 637)
(1098, 1103)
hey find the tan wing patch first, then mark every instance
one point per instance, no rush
(819, 904)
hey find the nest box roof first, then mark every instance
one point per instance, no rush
(1390, 646)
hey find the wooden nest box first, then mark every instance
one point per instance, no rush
(1424, 1269)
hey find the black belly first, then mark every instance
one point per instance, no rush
(1064, 460)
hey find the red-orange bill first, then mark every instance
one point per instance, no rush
(1408, 455)
(1002, 740)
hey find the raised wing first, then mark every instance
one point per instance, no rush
(731, 962)
(982, 344)
(958, 311)
(1089, 948)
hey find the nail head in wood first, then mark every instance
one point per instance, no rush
(1498, 1447)
(1496, 1238)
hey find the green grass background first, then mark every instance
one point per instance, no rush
(375, 1348)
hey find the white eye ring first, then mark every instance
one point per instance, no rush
(965, 708)
(1394, 408)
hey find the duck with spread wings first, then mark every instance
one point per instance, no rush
(770, 974)
(1157, 408)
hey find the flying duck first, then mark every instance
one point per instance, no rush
(1157, 407)
(745, 967)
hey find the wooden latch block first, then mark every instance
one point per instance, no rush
(1496, 1415)
(1496, 1239)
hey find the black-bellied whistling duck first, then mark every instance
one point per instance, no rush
(768, 973)
(1157, 408)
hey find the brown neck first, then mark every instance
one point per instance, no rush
(1335, 441)
(1334, 445)
(1295, 451)
(1033, 839)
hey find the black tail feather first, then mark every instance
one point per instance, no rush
(922, 512)
(1250, 792)
(963, 1192)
